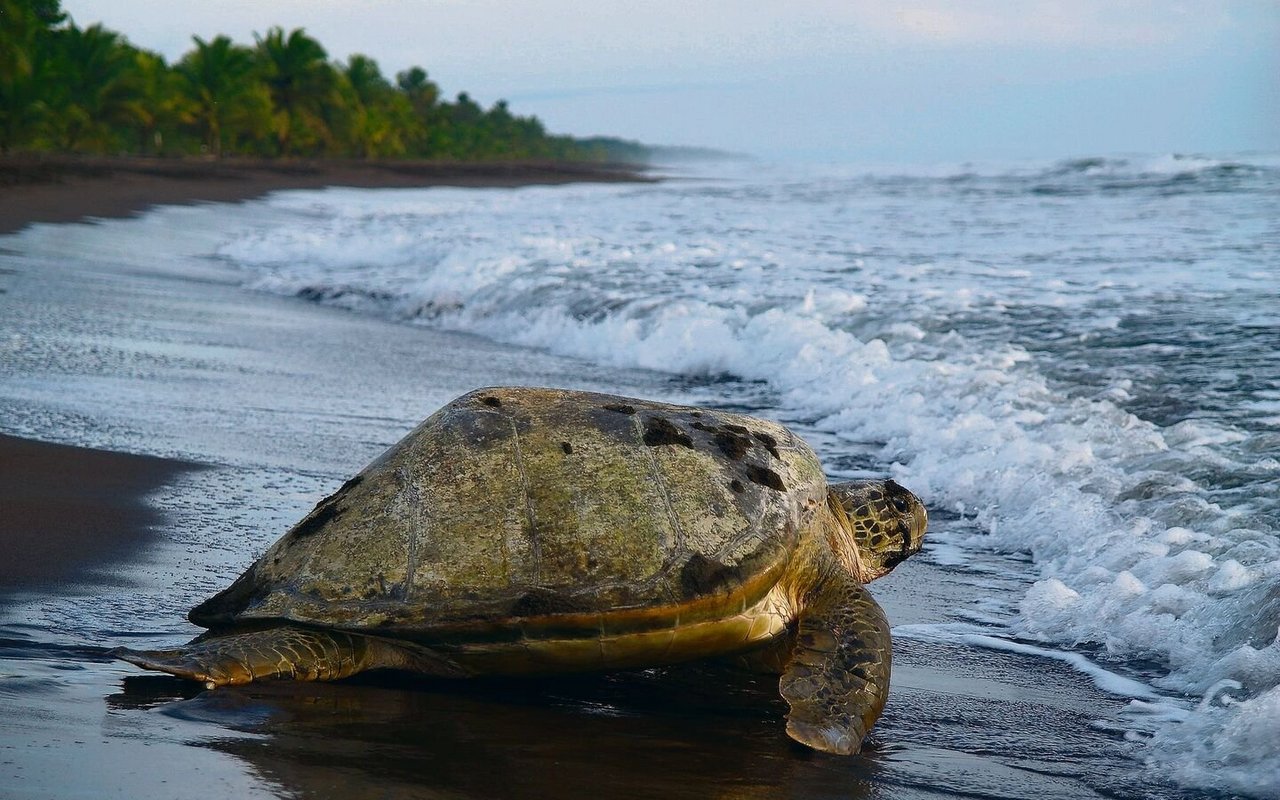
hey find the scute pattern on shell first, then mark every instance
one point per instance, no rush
(516, 503)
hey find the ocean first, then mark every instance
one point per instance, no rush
(1076, 364)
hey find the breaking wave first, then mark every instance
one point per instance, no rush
(1076, 360)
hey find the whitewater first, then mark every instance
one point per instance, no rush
(1074, 363)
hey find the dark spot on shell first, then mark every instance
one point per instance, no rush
(492, 402)
(320, 516)
(737, 486)
(660, 431)
(765, 477)
(540, 602)
(770, 443)
(701, 575)
(731, 439)
(566, 447)
(479, 428)
(621, 408)
(733, 446)
(614, 424)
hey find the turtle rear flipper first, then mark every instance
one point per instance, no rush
(838, 678)
(295, 653)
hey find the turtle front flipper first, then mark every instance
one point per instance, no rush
(838, 678)
(287, 652)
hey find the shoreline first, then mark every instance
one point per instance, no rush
(73, 510)
(70, 511)
(38, 188)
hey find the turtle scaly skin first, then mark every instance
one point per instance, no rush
(523, 531)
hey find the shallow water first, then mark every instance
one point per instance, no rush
(1073, 363)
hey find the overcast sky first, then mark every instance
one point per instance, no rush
(865, 80)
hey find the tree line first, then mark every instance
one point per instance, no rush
(64, 88)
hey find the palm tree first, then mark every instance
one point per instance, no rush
(366, 79)
(63, 87)
(300, 81)
(96, 91)
(25, 40)
(423, 95)
(161, 103)
(380, 120)
(21, 21)
(221, 85)
(421, 91)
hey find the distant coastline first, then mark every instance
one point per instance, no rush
(93, 126)
(52, 187)
(68, 89)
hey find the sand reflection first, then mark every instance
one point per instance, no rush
(698, 731)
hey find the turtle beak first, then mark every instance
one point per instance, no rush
(917, 520)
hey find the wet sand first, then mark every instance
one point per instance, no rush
(68, 510)
(282, 400)
(54, 188)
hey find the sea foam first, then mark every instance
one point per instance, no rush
(979, 342)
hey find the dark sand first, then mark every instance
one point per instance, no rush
(67, 510)
(52, 188)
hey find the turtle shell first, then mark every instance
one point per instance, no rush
(512, 507)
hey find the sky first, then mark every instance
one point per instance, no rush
(868, 81)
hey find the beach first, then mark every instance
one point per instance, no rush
(163, 424)
(55, 188)
(69, 509)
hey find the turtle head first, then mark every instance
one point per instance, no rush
(885, 521)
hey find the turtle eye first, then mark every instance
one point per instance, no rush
(900, 503)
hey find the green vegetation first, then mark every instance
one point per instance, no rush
(87, 90)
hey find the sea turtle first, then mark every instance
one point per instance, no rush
(524, 531)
